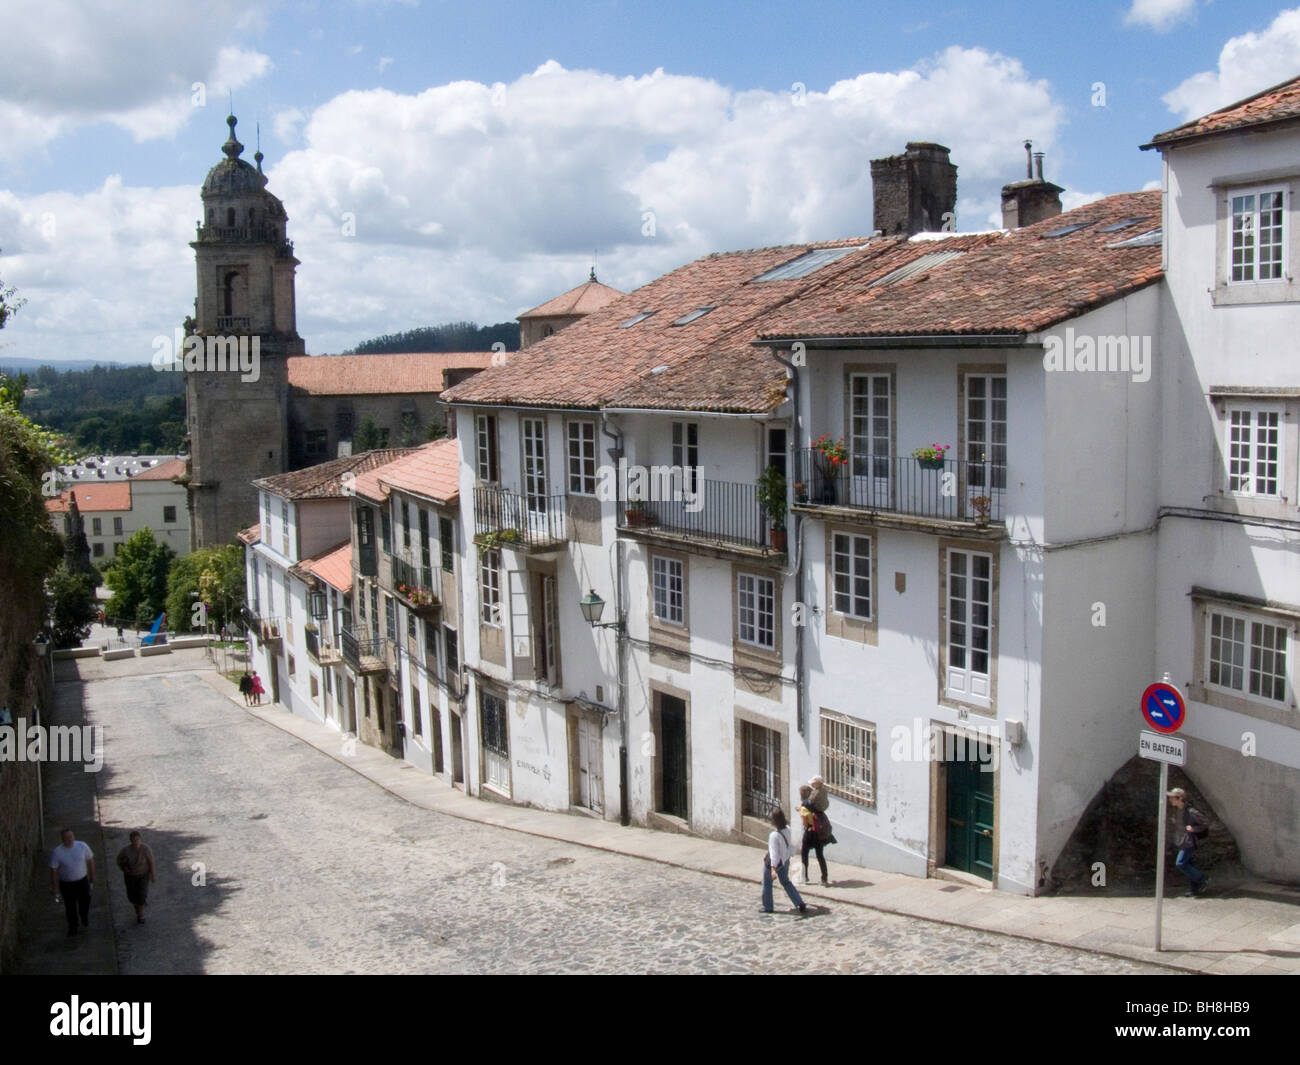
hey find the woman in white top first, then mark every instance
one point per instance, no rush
(776, 862)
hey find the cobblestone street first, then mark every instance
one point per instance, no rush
(273, 858)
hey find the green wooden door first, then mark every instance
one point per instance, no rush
(970, 814)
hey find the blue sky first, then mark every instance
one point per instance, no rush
(483, 150)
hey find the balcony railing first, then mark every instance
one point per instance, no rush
(509, 519)
(268, 630)
(321, 650)
(414, 584)
(723, 512)
(945, 489)
(364, 652)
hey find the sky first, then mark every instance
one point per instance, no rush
(467, 161)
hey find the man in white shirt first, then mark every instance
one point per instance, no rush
(72, 872)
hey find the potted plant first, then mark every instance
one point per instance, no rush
(982, 505)
(800, 492)
(931, 456)
(772, 498)
(829, 455)
(637, 514)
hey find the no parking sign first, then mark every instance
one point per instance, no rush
(1163, 707)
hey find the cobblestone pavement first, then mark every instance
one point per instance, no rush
(275, 858)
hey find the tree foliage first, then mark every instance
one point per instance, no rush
(76, 548)
(450, 336)
(367, 437)
(72, 605)
(138, 579)
(216, 574)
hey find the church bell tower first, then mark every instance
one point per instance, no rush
(237, 417)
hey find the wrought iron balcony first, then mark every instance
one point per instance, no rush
(321, 650)
(364, 652)
(526, 523)
(414, 584)
(720, 512)
(268, 630)
(957, 490)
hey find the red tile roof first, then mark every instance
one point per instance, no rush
(1003, 283)
(328, 480)
(432, 471)
(333, 566)
(164, 471)
(590, 296)
(370, 375)
(1277, 104)
(94, 498)
(249, 536)
(1012, 283)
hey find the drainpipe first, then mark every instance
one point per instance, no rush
(800, 695)
(620, 639)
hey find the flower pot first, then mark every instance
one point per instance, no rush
(829, 495)
(930, 464)
(778, 540)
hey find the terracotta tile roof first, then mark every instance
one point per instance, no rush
(249, 536)
(1010, 283)
(370, 375)
(590, 296)
(333, 566)
(432, 471)
(94, 498)
(710, 364)
(326, 481)
(164, 471)
(1276, 104)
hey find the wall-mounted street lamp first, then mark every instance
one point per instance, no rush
(593, 606)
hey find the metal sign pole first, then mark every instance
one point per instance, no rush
(1160, 847)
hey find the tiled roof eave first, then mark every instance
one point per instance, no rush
(1174, 137)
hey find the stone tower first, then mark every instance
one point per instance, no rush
(237, 417)
(915, 192)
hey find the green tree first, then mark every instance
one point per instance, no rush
(436, 431)
(138, 579)
(72, 605)
(367, 437)
(213, 576)
(76, 549)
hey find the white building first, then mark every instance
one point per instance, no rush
(1228, 575)
(116, 506)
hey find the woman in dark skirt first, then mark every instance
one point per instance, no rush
(136, 862)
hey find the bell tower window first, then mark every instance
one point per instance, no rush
(228, 293)
(230, 217)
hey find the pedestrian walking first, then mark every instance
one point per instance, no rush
(776, 862)
(258, 690)
(812, 823)
(1195, 826)
(72, 874)
(246, 687)
(136, 862)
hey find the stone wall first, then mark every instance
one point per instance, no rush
(20, 827)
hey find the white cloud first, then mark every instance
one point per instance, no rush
(1247, 64)
(385, 62)
(1160, 15)
(133, 63)
(474, 201)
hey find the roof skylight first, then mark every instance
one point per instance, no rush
(1067, 230)
(1149, 239)
(686, 319)
(1124, 224)
(635, 319)
(918, 265)
(805, 264)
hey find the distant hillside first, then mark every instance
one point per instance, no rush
(17, 366)
(110, 409)
(451, 336)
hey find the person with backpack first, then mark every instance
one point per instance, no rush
(1195, 826)
(776, 862)
(813, 823)
(246, 687)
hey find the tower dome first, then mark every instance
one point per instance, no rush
(235, 197)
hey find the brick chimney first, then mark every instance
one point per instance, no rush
(1032, 200)
(913, 192)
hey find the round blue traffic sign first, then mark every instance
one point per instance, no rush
(1163, 707)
